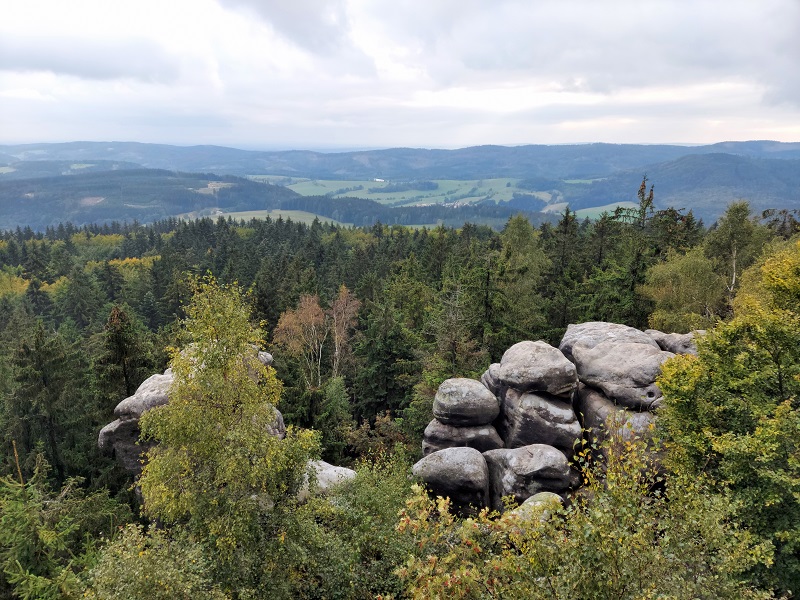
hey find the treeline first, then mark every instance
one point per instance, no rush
(364, 324)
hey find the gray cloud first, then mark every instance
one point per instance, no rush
(452, 73)
(605, 46)
(319, 26)
(139, 59)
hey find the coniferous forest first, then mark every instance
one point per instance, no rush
(364, 324)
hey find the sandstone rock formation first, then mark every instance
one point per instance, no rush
(438, 436)
(543, 411)
(537, 367)
(677, 343)
(598, 415)
(460, 473)
(326, 476)
(120, 438)
(592, 333)
(524, 472)
(529, 418)
(624, 371)
(465, 403)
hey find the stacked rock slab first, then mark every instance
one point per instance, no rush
(519, 416)
(463, 411)
(601, 379)
(526, 471)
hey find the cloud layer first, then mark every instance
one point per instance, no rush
(375, 73)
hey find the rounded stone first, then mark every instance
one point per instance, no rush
(465, 403)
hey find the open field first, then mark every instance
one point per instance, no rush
(596, 211)
(298, 216)
(448, 191)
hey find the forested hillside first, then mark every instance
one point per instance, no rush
(364, 324)
(44, 184)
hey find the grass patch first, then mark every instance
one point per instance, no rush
(4, 170)
(298, 216)
(448, 191)
(596, 211)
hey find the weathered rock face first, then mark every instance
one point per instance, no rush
(120, 438)
(326, 476)
(536, 367)
(600, 417)
(677, 343)
(439, 436)
(529, 418)
(624, 371)
(539, 396)
(460, 473)
(151, 393)
(524, 472)
(465, 403)
(490, 379)
(592, 333)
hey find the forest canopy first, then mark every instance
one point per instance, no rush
(364, 324)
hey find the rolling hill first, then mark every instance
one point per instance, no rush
(42, 184)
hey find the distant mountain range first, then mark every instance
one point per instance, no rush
(42, 184)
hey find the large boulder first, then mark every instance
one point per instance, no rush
(677, 343)
(539, 507)
(439, 436)
(325, 476)
(151, 393)
(600, 417)
(624, 371)
(465, 403)
(524, 472)
(533, 418)
(120, 438)
(458, 473)
(536, 367)
(592, 333)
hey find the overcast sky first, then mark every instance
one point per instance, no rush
(284, 74)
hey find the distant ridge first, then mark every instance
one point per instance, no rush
(567, 161)
(101, 181)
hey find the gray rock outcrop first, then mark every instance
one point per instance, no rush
(439, 436)
(532, 418)
(538, 392)
(465, 403)
(325, 476)
(624, 371)
(120, 438)
(539, 506)
(459, 473)
(536, 367)
(524, 472)
(600, 417)
(592, 333)
(677, 343)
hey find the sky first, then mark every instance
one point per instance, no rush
(349, 74)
